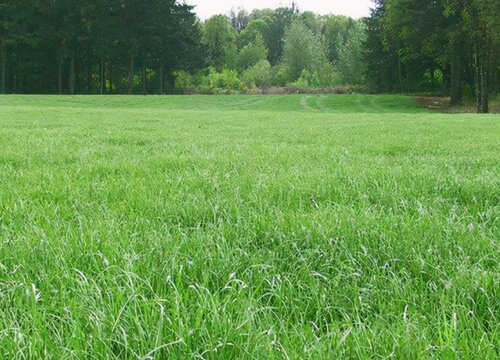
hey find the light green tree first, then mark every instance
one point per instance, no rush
(350, 64)
(217, 36)
(254, 29)
(251, 54)
(303, 50)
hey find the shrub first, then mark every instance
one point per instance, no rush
(226, 81)
(307, 80)
(183, 80)
(322, 78)
(329, 76)
(279, 76)
(258, 75)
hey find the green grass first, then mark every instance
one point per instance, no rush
(280, 227)
(282, 103)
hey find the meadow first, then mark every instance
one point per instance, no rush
(247, 227)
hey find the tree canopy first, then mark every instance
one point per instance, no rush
(92, 46)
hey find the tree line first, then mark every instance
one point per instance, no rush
(95, 46)
(448, 47)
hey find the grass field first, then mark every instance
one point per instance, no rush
(279, 227)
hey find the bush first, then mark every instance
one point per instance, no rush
(329, 76)
(258, 75)
(307, 80)
(226, 81)
(324, 77)
(279, 76)
(183, 80)
(209, 81)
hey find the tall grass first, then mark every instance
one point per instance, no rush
(225, 227)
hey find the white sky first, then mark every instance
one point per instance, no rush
(352, 8)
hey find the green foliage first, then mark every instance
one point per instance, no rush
(455, 38)
(321, 78)
(280, 75)
(210, 81)
(382, 66)
(303, 50)
(217, 36)
(254, 29)
(336, 30)
(183, 80)
(259, 75)
(312, 21)
(307, 80)
(350, 62)
(274, 36)
(226, 81)
(231, 59)
(251, 54)
(95, 46)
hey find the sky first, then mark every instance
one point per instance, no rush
(352, 8)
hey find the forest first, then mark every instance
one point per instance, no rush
(443, 47)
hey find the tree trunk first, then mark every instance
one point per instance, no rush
(4, 73)
(60, 76)
(481, 74)
(400, 73)
(143, 79)
(477, 79)
(160, 79)
(433, 79)
(88, 77)
(484, 100)
(102, 80)
(170, 79)
(110, 90)
(484, 108)
(131, 75)
(496, 80)
(72, 76)
(446, 81)
(455, 80)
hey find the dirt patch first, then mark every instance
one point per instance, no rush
(441, 104)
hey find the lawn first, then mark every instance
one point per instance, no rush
(247, 227)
